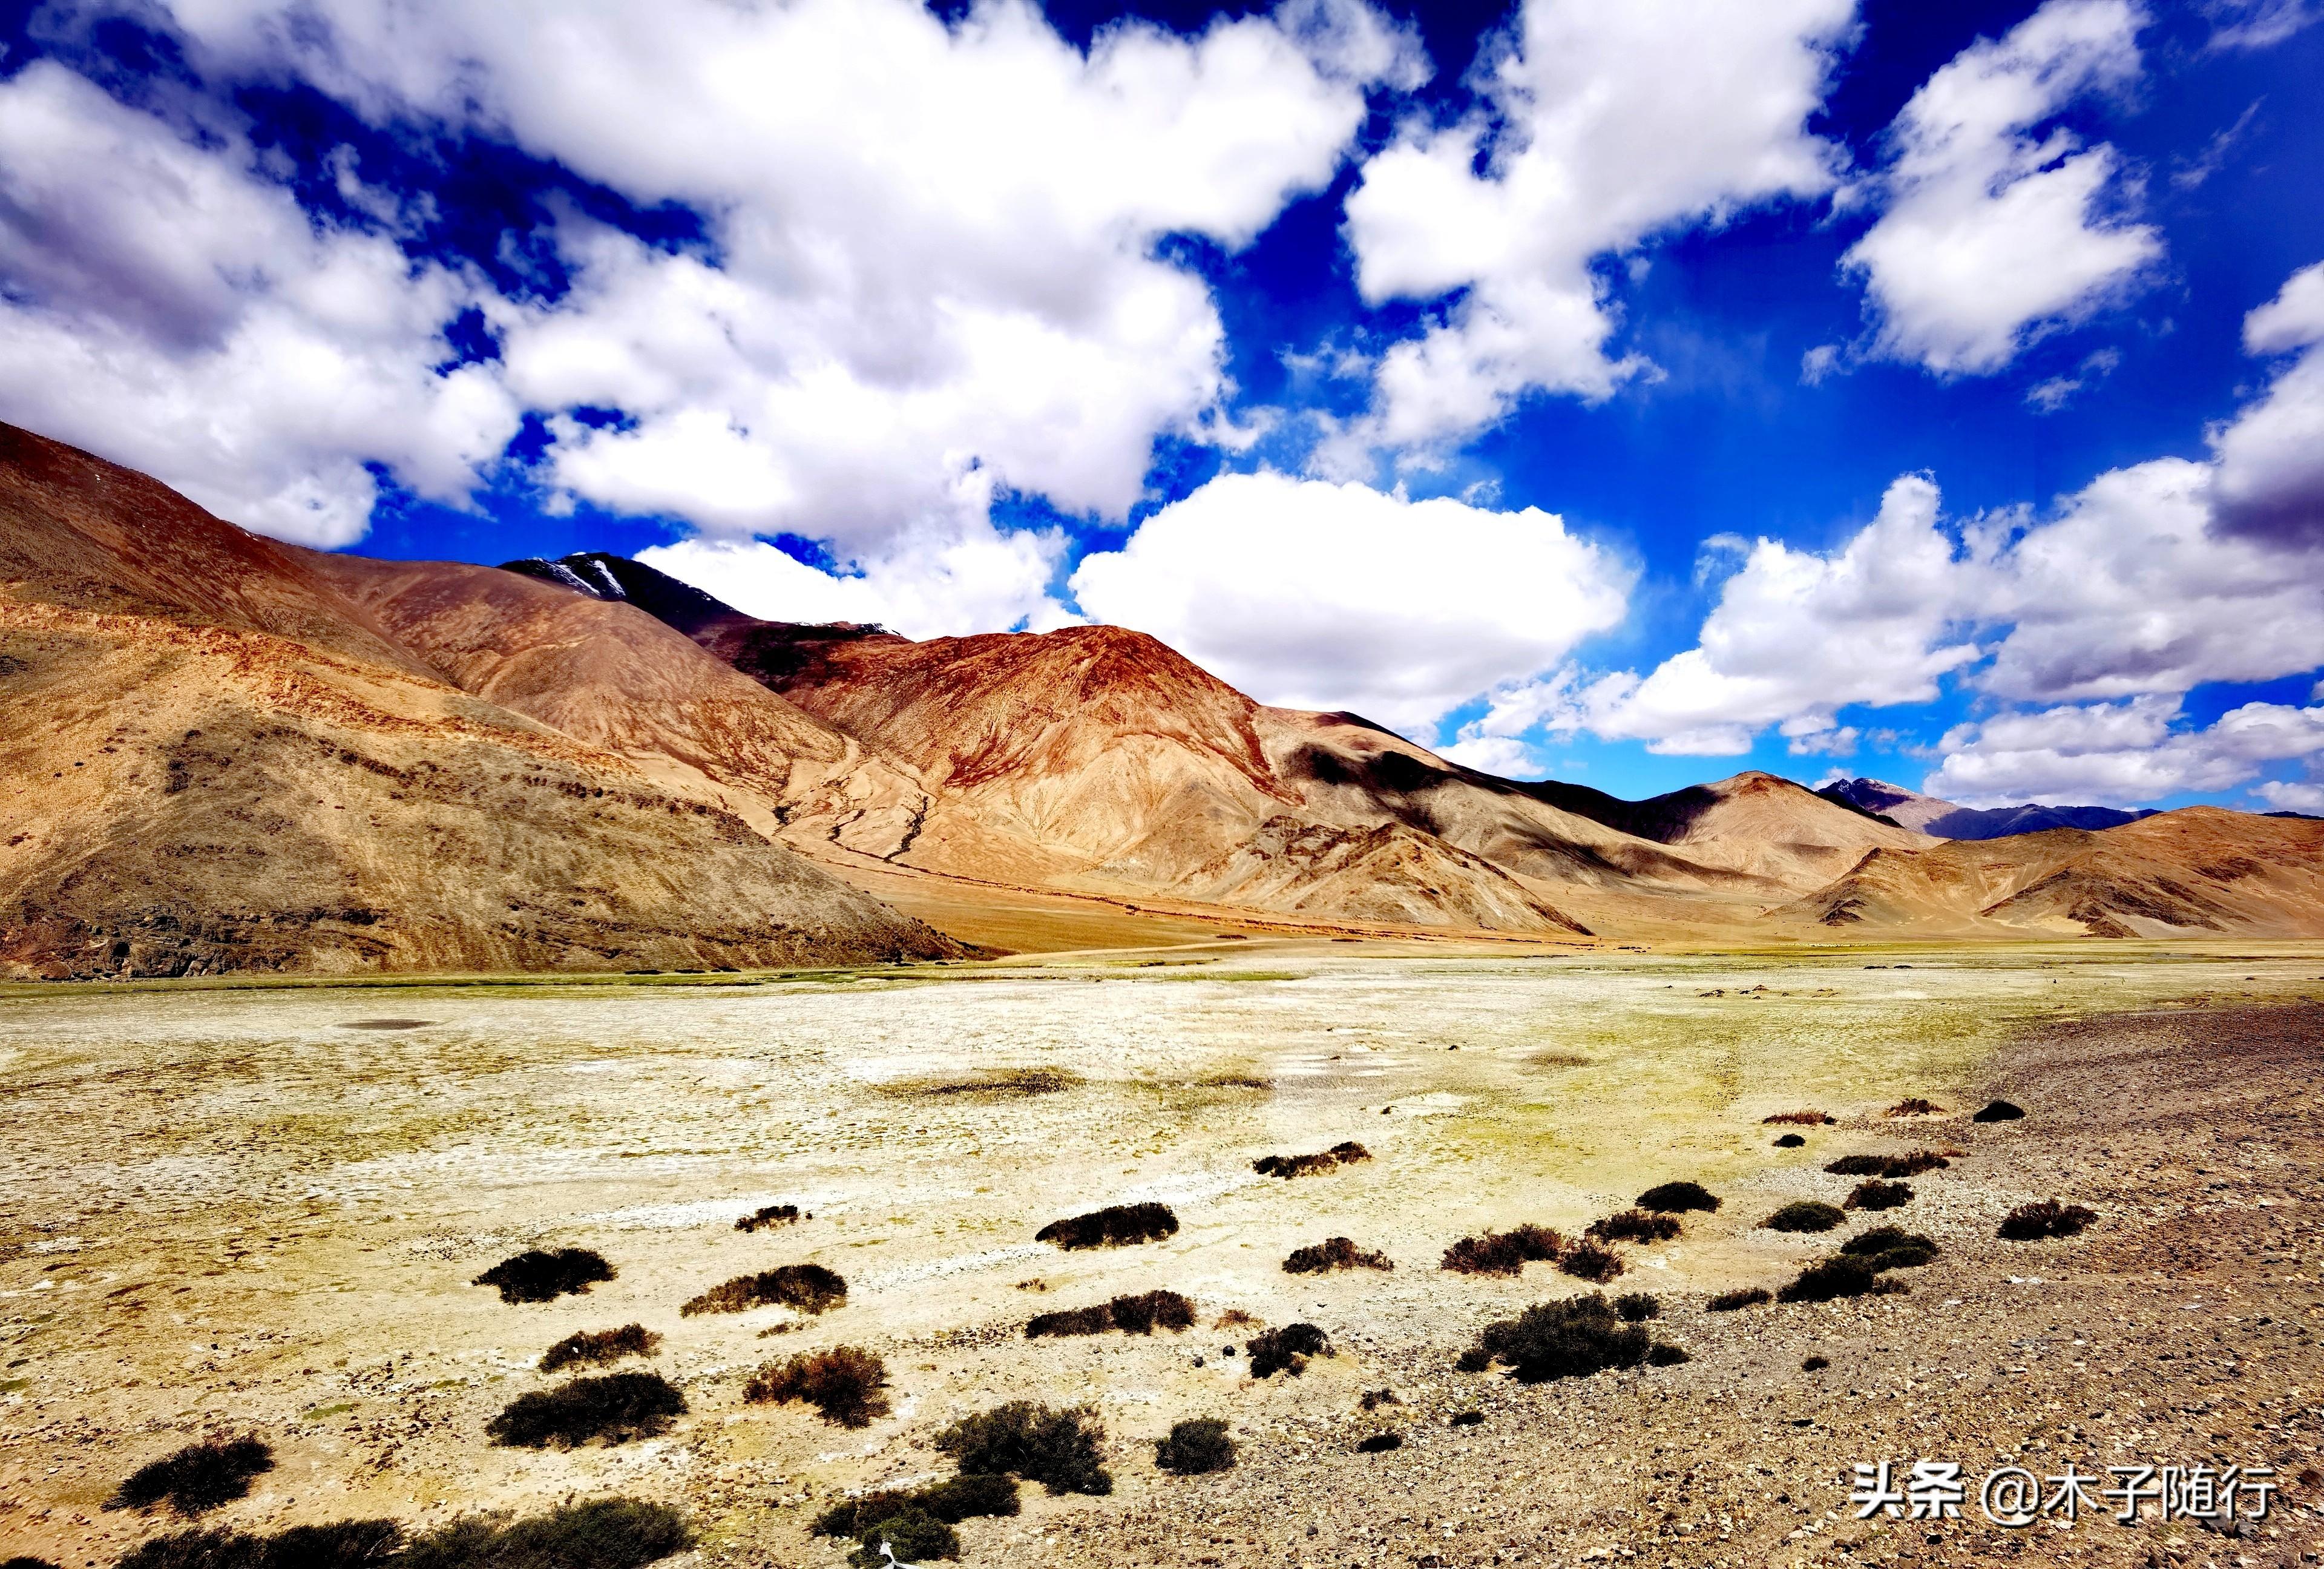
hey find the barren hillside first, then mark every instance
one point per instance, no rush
(216, 761)
(2194, 870)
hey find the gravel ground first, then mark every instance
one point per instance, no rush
(252, 1212)
(2180, 1330)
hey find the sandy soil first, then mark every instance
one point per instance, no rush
(255, 1209)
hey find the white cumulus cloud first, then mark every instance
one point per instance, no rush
(977, 579)
(2292, 796)
(2125, 592)
(931, 267)
(1314, 594)
(1996, 224)
(2119, 754)
(2150, 581)
(1607, 124)
(164, 303)
(2270, 457)
(1796, 635)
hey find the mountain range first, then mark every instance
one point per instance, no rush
(1950, 820)
(222, 753)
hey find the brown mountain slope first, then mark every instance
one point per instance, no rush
(79, 533)
(2198, 870)
(1098, 757)
(1755, 824)
(1350, 770)
(606, 673)
(1127, 766)
(1169, 767)
(1387, 873)
(214, 762)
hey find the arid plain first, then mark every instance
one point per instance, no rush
(260, 1209)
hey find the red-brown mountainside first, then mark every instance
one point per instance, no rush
(2193, 871)
(220, 753)
(1129, 765)
(213, 761)
(606, 673)
(1095, 757)
(83, 534)
(1124, 765)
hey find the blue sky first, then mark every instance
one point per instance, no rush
(1629, 394)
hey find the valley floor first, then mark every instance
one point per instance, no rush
(259, 1210)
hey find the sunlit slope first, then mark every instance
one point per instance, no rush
(216, 761)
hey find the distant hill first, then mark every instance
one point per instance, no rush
(1754, 823)
(2198, 870)
(1946, 819)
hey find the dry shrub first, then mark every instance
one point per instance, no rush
(910, 1536)
(1997, 1112)
(1504, 1252)
(1842, 1275)
(1001, 1084)
(1115, 1226)
(1373, 1400)
(1728, 1301)
(1572, 1339)
(611, 1533)
(543, 1275)
(1634, 1225)
(1467, 1419)
(1790, 1141)
(809, 1288)
(1592, 1261)
(1333, 1253)
(1638, 1306)
(1069, 1321)
(774, 1215)
(1379, 1444)
(952, 1501)
(600, 1346)
(1195, 1446)
(1287, 1350)
(1332, 1159)
(1673, 1198)
(1662, 1355)
(846, 1383)
(350, 1543)
(615, 1407)
(1879, 1195)
(1805, 1215)
(603, 1534)
(1138, 1314)
(1804, 1118)
(1912, 1164)
(1890, 1248)
(2032, 1223)
(197, 1478)
(1058, 1449)
(1233, 1318)
(1147, 1311)
(1914, 1106)
(1815, 1365)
